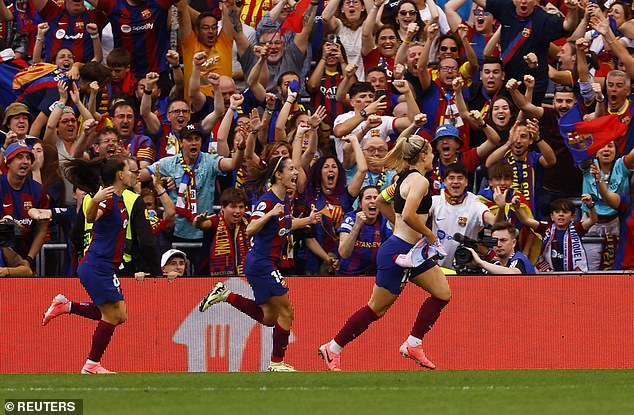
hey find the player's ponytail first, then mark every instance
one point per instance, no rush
(259, 176)
(88, 175)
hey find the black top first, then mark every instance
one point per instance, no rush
(399, 202)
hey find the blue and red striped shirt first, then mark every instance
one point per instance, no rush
(142, 30)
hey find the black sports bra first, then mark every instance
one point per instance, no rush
(399, 202)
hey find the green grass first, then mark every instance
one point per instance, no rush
(534, 392)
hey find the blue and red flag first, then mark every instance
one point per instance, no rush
(585, 138)
(8, 69)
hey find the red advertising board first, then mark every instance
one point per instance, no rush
(491, 323)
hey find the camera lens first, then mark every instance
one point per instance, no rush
(462, 255)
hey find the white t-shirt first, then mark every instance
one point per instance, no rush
(384, 130)
(351, 41)
(466, 218)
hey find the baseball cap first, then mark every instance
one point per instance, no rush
(16, 148)
(447, 130)
(165, 258)
(190, 129)
(16, 108)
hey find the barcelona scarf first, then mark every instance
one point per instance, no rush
(229, 247)
(573, 252)
(186, 199)
(523, 177)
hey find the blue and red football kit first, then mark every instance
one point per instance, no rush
(16, 204)
(97, 270)
(366, 247)
(263, 260)
(69, 32)
(142, 30)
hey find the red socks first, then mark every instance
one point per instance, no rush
(247, 306)
(100, 340)
(88, 310)
(356, 324)
(280, 342)
(427, 316)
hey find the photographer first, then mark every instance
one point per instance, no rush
(509, 261)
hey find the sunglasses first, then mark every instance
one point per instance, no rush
(407, 12)
(448, 48)
(480, 12)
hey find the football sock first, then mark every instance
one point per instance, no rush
(335, 347)
(100, 340)
(247, 306)
(280, 342)
(88, 310)
(414, 341)
(356, 324)
(427, 316)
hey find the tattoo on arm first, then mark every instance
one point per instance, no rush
(234, 17)
(308, 13)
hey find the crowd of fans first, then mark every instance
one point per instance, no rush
(202, 95)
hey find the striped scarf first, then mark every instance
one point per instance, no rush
(186, 200)
(572, 251)
(229, 247)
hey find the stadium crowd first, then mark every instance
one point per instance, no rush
(526, 104)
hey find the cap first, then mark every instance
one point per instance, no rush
(165, 258)
(16, 108)
(190, 129)
(447, 130)
(16, 148)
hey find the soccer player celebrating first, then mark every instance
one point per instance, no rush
(270, 222)
(413, 156)
(105, 179)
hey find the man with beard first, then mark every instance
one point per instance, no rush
(67, 24)
(563, 181)
(194, 174)
(528, 28)
(19, 193)
(282, 58)
(140, 146)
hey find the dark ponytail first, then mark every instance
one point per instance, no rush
(88, 175)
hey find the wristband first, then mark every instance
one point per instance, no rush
(31, 261)
(539, 140)
(233, 107)
(41, 39)
(94, 36)
(177, 66)
(269, 111)
(407, 42)
(590, 206)
(147, 92)
(601, 100)
(162, 193)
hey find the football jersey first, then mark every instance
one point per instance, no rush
(142, 30)
(108, 237)
(466, 218)
(362, 261)
(268, 244)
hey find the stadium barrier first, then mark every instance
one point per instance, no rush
(538, 322)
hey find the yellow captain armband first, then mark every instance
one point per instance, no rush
(388, 193)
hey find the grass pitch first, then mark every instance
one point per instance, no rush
(534, 392)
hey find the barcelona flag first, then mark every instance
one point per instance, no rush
(585, 138)
(8, 69)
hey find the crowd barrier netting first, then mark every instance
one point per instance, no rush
(538, 322)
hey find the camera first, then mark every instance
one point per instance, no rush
(8, 233)
(463, 256)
